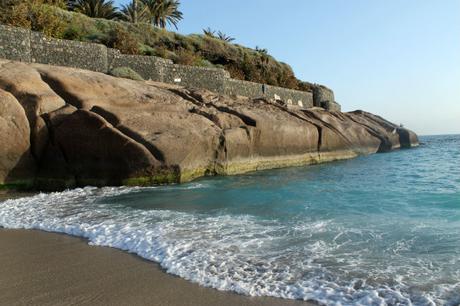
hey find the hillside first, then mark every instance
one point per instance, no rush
(198, 50)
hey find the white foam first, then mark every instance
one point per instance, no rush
(239, 253)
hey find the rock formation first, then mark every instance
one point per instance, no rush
(64, 127)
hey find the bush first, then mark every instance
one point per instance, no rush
(122, 40)
(204, 63)
(47, 22)
(126, 72)
(234, 70)
(58, 3)
(36, 15)
(73, 32)
(186, 57)
(15, 14)
(164, 53)
(146, 50)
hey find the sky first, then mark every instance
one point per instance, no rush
(396, 58)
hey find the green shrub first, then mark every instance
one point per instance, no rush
(164, 53)
(146, 50)
(73, 32)
(125, 72)
(204, 63)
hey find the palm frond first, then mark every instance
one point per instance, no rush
(133, 13)
(164, 12)
(224, 37)
(95, 8)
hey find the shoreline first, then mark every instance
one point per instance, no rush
(50, 268)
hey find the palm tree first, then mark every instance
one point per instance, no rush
(224, 37)
(95, 8)
(209, 32)
(261, 50)
(163, 12)
(134, 13)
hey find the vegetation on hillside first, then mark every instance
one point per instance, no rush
(138, 28)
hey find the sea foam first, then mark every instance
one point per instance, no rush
(378, 230)
(237, 253)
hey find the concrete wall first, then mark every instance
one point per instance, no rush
(27, 46)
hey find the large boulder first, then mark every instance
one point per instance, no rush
(89, 128)
(391, 136)
(17, 166)
(35, 96)
(99, 154)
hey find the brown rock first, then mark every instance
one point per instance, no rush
(112, 131)
(36, 97)
(98, 154)
(16, 163)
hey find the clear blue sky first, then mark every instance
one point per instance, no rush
(396, 58)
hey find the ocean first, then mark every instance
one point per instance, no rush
(382, 229)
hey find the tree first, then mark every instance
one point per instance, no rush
(95, 8)
(134, 13)
(224, 37)
(209, 32)
(163, 12)
(261, 50)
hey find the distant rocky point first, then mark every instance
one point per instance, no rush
(63, 127)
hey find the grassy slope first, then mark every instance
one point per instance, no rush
(200, 50)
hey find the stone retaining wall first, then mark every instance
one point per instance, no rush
(68, 53)
(15, 44)
(149, 67)
(251, 89)
(199, 77)
(27, 46)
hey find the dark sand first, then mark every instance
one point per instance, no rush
(38, 268)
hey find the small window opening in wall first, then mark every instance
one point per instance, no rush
(264, 89)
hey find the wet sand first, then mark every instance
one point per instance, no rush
(39, 268)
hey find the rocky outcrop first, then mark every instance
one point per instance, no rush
(16, 163)
(67, 127)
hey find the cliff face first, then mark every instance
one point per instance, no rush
(63, 127)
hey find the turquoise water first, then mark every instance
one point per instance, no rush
(376, 230)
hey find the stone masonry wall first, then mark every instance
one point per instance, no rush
(68, 53)
(251, 89)
(291, 97)
(149, 67)
(324, 97)
(27, 46)
(198, 77)
(15, 44)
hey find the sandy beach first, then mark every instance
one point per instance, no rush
(40, 268)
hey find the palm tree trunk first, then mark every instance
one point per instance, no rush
(135, 11)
